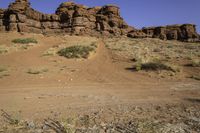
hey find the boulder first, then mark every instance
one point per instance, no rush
(13, 27)
(80, 21)
(80, 12)
(1, 22)
(55, 17)
(1, 13)
(12, 18)
(19, 6)
(21, 18)
(110, 9)
(172, 35)
(137, 34)
(22, 27)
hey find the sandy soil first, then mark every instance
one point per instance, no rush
(77, 86)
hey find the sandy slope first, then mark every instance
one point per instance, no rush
(71, 86)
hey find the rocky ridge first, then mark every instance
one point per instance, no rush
(76, 19)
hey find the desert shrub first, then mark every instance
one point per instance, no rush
(2, 69)
(142, 55)
(37, 70)
(196, 77)
(4, 72)
(155, 65)
(78, 51)
(3, 49)
(24, 40)
(50, 52)
(94, 45)
(195, 63)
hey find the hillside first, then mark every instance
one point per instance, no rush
(37, 83)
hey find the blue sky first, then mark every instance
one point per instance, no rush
(137, 13)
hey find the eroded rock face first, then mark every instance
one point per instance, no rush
(2, 25)
(79, 19)
(19, 6)
(71, 18)
(185, 32)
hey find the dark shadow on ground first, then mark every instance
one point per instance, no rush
(193, 100)
(131, 69)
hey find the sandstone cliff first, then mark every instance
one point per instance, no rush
(185, 32)
(71, 18)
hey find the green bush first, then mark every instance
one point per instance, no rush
(155, 66)
(25, 40)
(78, 51)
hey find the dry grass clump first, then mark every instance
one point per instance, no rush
(50, 52)
(24, 40)
(196, 77)
(3, 72)
(3, 49)
(8, 118)
(78, 51)
(195, 63)
(37, 70)
(3, 69)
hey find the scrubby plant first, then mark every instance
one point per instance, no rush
(77, 51)
(155, 65)
(195, 63)
(13, 120)
(142, 55)
(93, 45)
(2, 69)
(37, 70)
(3, 49)
(24, 40)
(196, 77)
(50, 52)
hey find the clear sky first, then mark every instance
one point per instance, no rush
(137, 13)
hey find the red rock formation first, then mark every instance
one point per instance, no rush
(1, 19)
(185, 32)
(71, 18)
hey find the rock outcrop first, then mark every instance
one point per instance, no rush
(71, 18)
(185, 32)
(2, 25)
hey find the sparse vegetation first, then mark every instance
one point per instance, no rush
(3, 72)
(3, 49)
(10, 119)
(77, 51)
(24, 40)
(195, 63)
(94, 45)
(37, 70)
(2, 69)
(196, 77)
(156, 65)
(50, 52)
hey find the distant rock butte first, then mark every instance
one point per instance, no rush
(76, 19)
